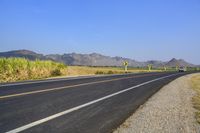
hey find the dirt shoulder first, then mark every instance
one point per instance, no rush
(169, 111)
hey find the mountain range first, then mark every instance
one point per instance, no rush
(93, 59)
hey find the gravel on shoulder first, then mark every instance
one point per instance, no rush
(170, 110)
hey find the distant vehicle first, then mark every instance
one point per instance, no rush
(182, 69)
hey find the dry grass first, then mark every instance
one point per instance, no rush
(84, 70)
(17, 69)
(195, 81)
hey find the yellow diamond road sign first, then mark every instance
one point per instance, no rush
(126, 63)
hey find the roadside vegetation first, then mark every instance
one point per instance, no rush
(195, 81)
(91, 70)
(16, 69)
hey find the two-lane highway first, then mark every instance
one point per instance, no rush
(89, 104)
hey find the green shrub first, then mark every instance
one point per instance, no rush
(110, 72)
(99, 72)
(56, 72)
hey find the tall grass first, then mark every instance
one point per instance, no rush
(15, 69)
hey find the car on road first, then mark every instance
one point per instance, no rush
(182, 69)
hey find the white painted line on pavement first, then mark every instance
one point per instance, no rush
(61, 79)
(25, 127)
(69, 86)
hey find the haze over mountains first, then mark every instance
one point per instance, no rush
(93, 59)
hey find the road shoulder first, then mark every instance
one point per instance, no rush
(169, 110)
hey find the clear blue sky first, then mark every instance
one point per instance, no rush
(138, 29)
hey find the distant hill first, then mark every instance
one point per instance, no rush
(174, 62)
(23, 53)
(93, 59)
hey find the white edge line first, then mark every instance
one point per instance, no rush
(22, 128)
(62, 79)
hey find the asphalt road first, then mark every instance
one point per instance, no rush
(76, 105)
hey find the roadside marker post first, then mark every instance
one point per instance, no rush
(126, 66)
(177, 67)
(149, 67)
(165, 68)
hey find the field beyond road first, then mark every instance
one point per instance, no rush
(19, 69)
(89, 70)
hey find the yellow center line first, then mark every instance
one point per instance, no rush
(70, 86)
